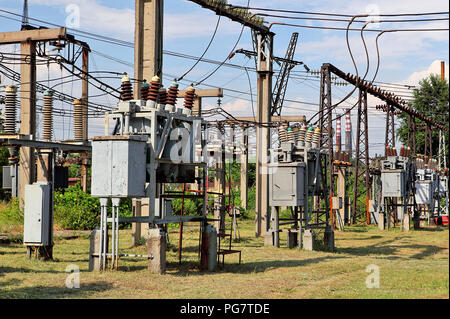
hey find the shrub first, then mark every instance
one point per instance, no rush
(77, 210)
(10, 214)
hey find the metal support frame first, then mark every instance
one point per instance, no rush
(283, 77)
(362, 156)
(412, 143)
(326, 121)
(390, 127)
(428, 151)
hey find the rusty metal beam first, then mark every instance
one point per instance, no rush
(388, 97)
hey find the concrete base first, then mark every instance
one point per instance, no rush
(208, 258)
(406, 222)
(328, 239)
(94, 250)
(268, 239)
(291, 240)
(156, 245)
(381, 223)
(308, 240)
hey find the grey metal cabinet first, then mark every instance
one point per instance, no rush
(37, 214)
(286, 184)
(119, 167)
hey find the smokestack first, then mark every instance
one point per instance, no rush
(442, 70)
(338, 134)
(348, 133)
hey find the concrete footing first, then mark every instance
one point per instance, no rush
(381, 223)
(268, 239)
(308, 240)
(328, 239)
(156, 246)
(406, 222)
(94, 250)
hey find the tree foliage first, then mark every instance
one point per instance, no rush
(430, 99)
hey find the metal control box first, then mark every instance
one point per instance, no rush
(393, 183)
(286, 184)
(37, 221)
(424, 192)
(6, 177)
(119, 166)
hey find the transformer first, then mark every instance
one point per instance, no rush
(153, 143)
(426, 186)
(398, 191)
(296, 171)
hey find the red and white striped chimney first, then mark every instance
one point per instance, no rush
(348, 133)
(338, 134)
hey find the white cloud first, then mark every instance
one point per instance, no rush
(434, 68)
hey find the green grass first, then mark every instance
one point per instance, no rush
(412, 265)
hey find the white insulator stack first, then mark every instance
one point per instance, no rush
(10, 109)
(290, 134)
(316, 138)
(302, 135)
(296, 132)
(309, 137)
(282, 133)
(78, 120)
(47, 116)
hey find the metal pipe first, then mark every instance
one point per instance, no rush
(113, 237)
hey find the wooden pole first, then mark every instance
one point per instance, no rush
(27, 171)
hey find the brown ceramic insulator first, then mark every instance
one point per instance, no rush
(127, 91)
(162, 96)
(172, 94)
(189, 98)
(153, 91)
(144, 92)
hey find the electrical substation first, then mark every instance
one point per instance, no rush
(157, 147)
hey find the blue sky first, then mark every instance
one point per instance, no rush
(406, 57)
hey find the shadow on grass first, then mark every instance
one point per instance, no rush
(391, 250)
(85, 290)
(365, 238)
(435, 229)
(191, 268)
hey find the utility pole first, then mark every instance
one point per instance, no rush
(28, 40)
(148, 61)
(264, 69)
(84, 99)
(148, 41)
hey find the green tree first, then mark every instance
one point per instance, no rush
(430, 99)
